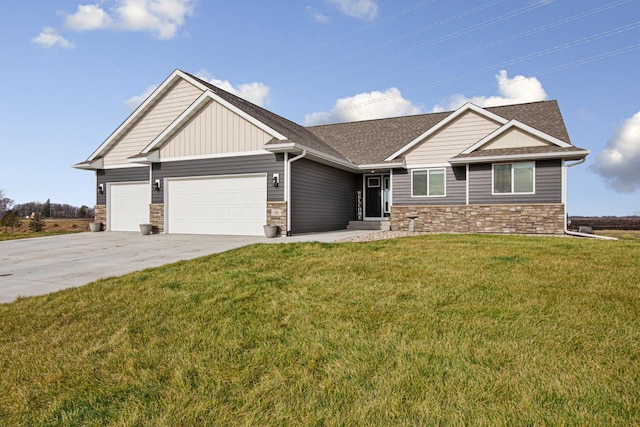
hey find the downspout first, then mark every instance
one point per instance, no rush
(287, 195)
(564, 196)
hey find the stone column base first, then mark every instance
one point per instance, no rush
(100, 215)
(277, 215)
(156, 217)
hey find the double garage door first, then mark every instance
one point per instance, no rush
(232, 205)
(235, 205)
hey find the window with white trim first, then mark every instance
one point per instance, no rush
(428, 182)
(513, 178)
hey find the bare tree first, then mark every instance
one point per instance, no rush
(5, 202)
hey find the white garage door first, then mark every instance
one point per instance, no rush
(222, 205)
(128, 206)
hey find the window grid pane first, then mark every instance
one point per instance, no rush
(419, 183)
(502, 178)
(523, 178)
(436, 182)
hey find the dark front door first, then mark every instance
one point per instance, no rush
(373, 196)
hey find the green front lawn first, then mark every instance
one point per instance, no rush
(444, 329)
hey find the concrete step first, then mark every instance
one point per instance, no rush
(369, 225)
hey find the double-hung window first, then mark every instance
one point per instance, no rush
(428, 182)
(513, 178)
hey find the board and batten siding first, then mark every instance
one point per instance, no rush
(268, 163)
(153, 122)
(322, 198)
(105, 176)
(450, 141)
(548, 185)
(456, 191)
(514, 138)
(215, 130)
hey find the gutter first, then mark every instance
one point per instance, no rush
(574, 233)
(287, 192)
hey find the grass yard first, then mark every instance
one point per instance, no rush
(52, 227)
(430, 330)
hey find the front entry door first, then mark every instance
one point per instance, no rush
(376, 196)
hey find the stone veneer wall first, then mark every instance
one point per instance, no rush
(277, 215)
(156, 217)
(518, 219)
(100, 215)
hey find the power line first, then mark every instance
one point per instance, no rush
(501, 65)
(407, 35)
(507, 39)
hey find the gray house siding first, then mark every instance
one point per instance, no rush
(105, 176)
(456, 193)
(548, 185)
(322, 198)
(268, 163)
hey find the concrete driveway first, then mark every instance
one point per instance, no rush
(46, 264)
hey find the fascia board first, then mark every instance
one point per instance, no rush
(451, 117)
(142, 108)
(292, 146)
(518, 125)
(334, 160)
(90, 165)
(280, 148)
(381, 166)
(152, 157)
(551, 155)
(194, 108)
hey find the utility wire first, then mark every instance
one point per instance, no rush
(501, 65)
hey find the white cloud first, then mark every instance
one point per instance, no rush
(364, 106)
(619, 163)
(361, 9)
(255, 92)
(321, 18)
(516, 90)
(133, 102)
(88, 17)
(49, 37)
(162, 18)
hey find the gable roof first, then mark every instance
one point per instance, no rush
(291, 130)
(376, 141)
(354, 145)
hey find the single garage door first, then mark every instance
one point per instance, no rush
(233, 205)
(128, 206)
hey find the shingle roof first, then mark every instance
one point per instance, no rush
(293, 131)
(372, 141)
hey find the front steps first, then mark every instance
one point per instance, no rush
(384, 225)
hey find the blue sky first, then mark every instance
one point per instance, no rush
(74, 70)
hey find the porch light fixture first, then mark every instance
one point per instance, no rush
(156, 185)
(101, 189)
(276, 179)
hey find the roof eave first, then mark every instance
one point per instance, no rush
(90, 165)
(146, 158)
(571, 155)
(319, 156)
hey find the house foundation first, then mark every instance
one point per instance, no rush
(518, 219)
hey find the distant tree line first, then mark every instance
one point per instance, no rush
(53, 210)
(45, 210)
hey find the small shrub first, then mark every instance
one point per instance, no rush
(36, 223)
